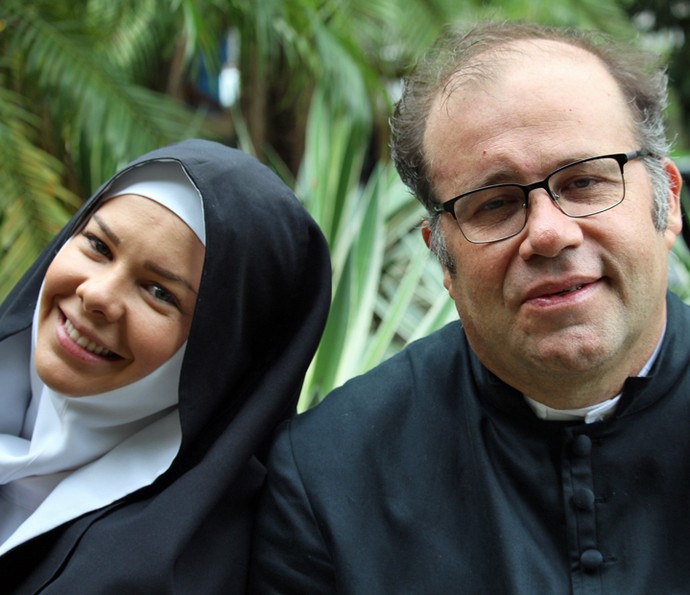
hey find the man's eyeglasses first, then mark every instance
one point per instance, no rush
(579, 189)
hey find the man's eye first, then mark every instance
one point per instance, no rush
(581, 183)
(501, 205)
(497, 203)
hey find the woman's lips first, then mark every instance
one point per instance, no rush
(86, 343)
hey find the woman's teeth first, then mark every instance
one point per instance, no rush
(84, 342)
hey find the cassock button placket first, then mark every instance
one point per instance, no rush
(581, 446)
(583, 498)
(580, 509)
(591, 560)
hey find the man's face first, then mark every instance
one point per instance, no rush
(566, 302)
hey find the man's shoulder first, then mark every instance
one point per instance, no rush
(393, 389)
(677, 308)
(375, 416)
(422, 360)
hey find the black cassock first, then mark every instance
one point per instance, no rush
(429, 475)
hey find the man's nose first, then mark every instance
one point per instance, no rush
(548, 229)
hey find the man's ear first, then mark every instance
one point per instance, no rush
(675, 217)
(448, 274)
(426, 233)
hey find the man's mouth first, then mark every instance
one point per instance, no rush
(87, 344)
(548, 292)
(569, 290)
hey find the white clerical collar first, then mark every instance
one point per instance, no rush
(592, 413)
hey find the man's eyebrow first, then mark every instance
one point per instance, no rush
(166, 274)
(112, 236)
(511, 175)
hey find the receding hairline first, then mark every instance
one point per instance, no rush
(638, 73)
(482, 68)
(488, 67)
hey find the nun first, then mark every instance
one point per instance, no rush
(145, 360)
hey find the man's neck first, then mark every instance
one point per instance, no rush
(582, 398)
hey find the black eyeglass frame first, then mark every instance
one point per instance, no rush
(622, 158)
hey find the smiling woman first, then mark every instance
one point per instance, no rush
(118, 300)
(170, 323)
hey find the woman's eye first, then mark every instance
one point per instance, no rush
(162, 294)
(98, 245)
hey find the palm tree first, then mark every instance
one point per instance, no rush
(87, 85)
(77, 100)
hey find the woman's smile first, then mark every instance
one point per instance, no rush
(118, 299)
(85, 342)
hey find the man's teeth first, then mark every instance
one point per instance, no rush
(84, 342)
(569, 290)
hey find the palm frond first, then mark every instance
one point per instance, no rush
(379, 259)
(34, 204)
(102, 112)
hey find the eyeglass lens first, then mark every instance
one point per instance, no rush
(579, 190)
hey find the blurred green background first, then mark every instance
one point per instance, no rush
(305, 85)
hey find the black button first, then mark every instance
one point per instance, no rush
(584, 499)
(591, 560)
(581, 445)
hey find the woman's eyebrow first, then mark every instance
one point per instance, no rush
(165, 273)
(112, 236)
(151, 266)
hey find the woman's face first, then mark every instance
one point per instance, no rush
(118, 299)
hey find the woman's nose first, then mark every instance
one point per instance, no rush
(102, 295)
(549, 230)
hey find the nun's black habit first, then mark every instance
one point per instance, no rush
(262, 304)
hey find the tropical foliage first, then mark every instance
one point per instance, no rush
(87, 85)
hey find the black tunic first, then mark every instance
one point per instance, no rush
(262, 304)
(429, 475)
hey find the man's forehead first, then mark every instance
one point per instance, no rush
(509, 59)
(530, 105)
